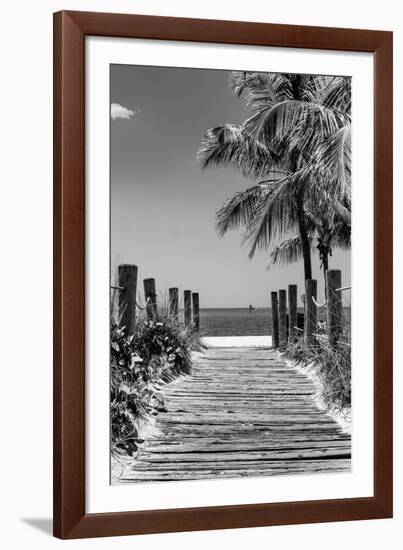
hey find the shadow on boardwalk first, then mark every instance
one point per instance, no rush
(242, 412)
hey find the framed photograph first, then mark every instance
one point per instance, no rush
(222, 274)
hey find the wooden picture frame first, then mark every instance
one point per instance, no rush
(70, 517)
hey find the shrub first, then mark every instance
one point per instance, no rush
(158, 352)
(333, 366)
(166, 337)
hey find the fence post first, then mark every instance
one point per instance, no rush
(334, 306)
(282, 314)
(173, 302)
(301, 321)
(292, 308)
(127, 275)
(151, 298)
(187, 295)
(310, 311)
(196, 310)
(274, 319)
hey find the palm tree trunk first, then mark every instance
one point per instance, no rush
(324, 251)
(306, 245)
(325, 267)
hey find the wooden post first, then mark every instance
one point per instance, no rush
(292, 309)
(301, 321)
(282, 318)
(196, 310)
(173, 302)
(334, 306)
(310, 311)
(151, 298)
(127, 275)
(274, 319)
(187, 299)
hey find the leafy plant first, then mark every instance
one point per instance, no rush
(158, 352)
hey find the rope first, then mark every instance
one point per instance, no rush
(138, 306)
(325, 302)
(319, 305)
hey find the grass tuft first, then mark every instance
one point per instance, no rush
(332, 364)
(157, 353)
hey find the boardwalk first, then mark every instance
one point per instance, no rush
(242, 412)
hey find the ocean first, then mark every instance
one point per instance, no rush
(239, 322)
(235, 322)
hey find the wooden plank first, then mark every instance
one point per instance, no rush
(282, 468)
(199, 446)
(242, 412)
(244, 455)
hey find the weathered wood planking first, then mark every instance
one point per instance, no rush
(243, 412)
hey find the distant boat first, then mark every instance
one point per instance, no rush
(251, 308)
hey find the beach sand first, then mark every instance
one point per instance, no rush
(237, 341)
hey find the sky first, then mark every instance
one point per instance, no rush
(163, 204)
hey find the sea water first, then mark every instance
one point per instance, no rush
(235, 322)
(242, 322)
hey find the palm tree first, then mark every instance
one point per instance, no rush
(330, 218)
(228, 145)
(292, 117)
(322, 236)
(309, 123)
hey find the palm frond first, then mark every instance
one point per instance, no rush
(342, 236)
(274, 123)
(274, 216)
(272, 86)
(333, 160)
(227, 145)
(287, 252)
(239, 209)
(338, 96)
(333, 92)
(326, 180)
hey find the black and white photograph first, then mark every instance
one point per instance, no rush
(203, 303)
(230, 274)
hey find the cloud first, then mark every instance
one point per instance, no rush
(118, 111)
